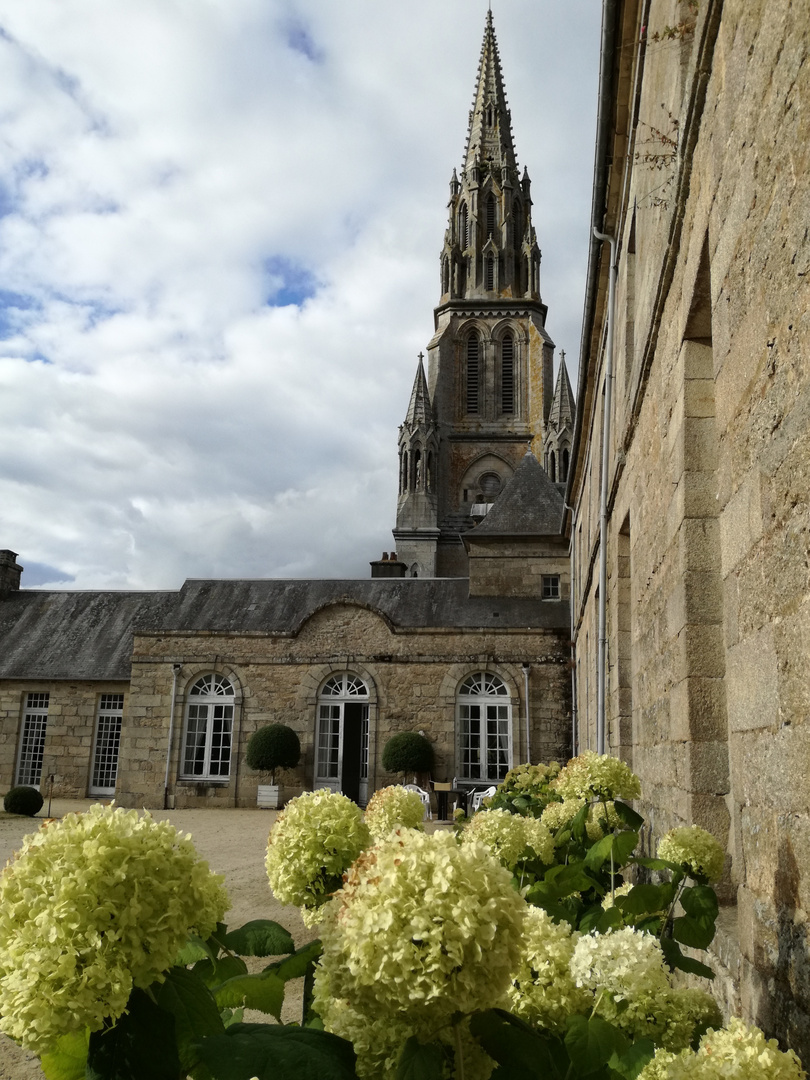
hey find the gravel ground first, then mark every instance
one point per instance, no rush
(233, 842)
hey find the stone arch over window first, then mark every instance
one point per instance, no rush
(483, 728)
(342, 730)
(478, 483)
(208, 728)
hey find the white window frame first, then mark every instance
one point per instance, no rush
(32, 738)
(107, 743)
(484, 726)
(207, 747)
(340, 688)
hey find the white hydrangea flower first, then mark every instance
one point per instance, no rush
(738, 1052)
(597, 776)
(423, 929)
(694, 848)
(510, 837)
(391, 807)
(557, 815)
(621, 890)
(314, 841)
(91, 906)
(626, 963)
(543, 990)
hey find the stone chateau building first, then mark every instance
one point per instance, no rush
(463, 633)
(690, 461)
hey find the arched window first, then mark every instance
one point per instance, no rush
(463, 227)
(565, 463)
(517, 222)
(473, 374)
(341, 761)
(491, 216)
(429, 476)
(445, 275)
(484, 725)
(404, 471)
(208, 729)
(552, 466)
(416, 470)
(508, 374)
(489, 283)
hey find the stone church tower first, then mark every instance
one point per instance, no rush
(488, 388)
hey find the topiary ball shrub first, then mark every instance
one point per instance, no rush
(273, 747)
(407, 752)
(23, 800)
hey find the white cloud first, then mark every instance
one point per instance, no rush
(171, 171)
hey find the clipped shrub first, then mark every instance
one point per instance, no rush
(23, 800)
(407, 752)
(275, 746)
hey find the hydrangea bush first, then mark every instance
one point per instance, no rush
(534, 941)
(391, 807)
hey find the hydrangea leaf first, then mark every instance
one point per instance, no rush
(260, 937)
(700, 901)
(194, 949)
(297, 965)
(696, 933)
(676, 959)
(644, 899)
(274, 1052)
(214, 973)
(195, 1012)
(620, 845)
(516, 1046)
(141, 1043)
(591, 1042)
(420, 1061)
(263, 991)
(628, 814)
(632, 1061)
(69, 1060)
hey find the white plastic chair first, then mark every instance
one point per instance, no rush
(478, 797)
(423, 795)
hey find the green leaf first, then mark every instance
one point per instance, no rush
(420, 1061)
(188, 999)
(194, 949)
(297, 965)
(214, 973)
(261, 937)
(700, 901)
(632, 1061)
(676, 959)
(275, 1052)
(644, 899)
(521, 802)
(263, 991)
(692, 932)
(579, 822)
(592, 1041)
(141, 1044)
(232, 1016)
(610, 920)
(591, 918)
(658, 864)
(69, 1060)
(628, 815)
(624, 844)
(516, 1047)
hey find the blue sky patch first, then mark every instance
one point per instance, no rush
(301, 41)
(12, 307)
(36, 573)
(290, 283)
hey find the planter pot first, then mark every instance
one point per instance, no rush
(268, 796)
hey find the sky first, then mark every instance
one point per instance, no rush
(220, 226)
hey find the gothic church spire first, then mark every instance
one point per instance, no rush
(489, 136)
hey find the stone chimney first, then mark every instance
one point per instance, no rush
(9, 572)
(388, 566)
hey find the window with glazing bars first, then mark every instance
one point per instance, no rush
(108, 740)
(32, 743)
(209, 728)
(328, 741)
(472, 374)
(508, 374)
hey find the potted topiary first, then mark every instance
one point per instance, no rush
(23, 800)
(273, 747)
(407, 752)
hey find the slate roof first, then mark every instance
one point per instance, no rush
(85, 635)
(529, 505)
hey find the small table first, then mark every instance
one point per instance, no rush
(442, 793)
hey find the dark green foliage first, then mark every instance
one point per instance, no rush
(273, 747)
(23, 800)
(407, 752)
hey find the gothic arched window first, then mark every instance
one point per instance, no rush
(508, 374)
(552, 466)
(463, 227)
(489, 284)
(484, 727)
(564, 464)
(208, 729)
(473, 374)
(445, 275)
(491, 216)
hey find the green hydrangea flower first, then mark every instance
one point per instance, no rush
(543, 991)
(423, 929)
(738, 1052)
(391, 807)
(90, 907)
(597, 776)
(557, 815)
(627, 963)
(510, 837)
(314, 841)
(695, 849)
